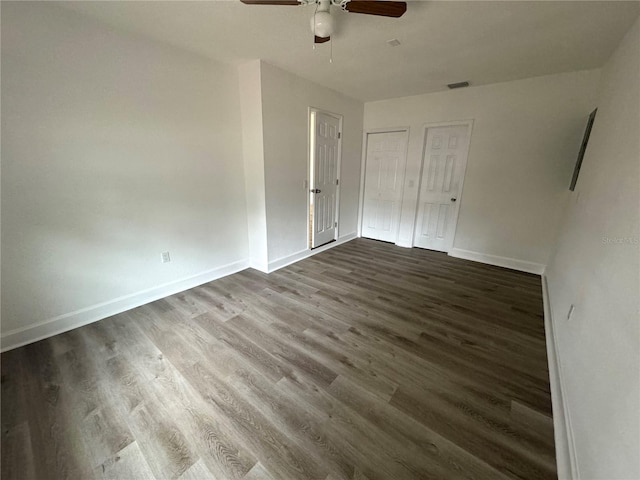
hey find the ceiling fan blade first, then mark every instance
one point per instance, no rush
(318, 39)
(373, 7)
(270, 2)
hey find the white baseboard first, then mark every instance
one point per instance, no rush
(506, 262)
(302, 254)
(288, 260)
(405, 243)
(566, 459)
(257, 265)
(68, 321)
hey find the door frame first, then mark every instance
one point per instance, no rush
(363, 170)
(307, 183)
(425, 128)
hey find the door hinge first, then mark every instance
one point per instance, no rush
(337, 182)
(339, 134)
(335, 224)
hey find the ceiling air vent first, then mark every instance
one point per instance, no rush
(458, 85)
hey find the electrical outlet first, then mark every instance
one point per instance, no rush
(571, 309)
(165, 257)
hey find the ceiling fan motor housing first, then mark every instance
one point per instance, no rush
(322, 24)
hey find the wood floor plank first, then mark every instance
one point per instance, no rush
(127, 463)
(103, 432)
(248, 350)
(225, 457)
(258, 472)
(472, 433)
(57, 445)
(163, 444)
(294, 419)
(347, 363)
(18, 453)
(364, 362)
(451, 460)
(13, 390)
(269, 445)
(457, 399)
(283, 350)
(368, 447)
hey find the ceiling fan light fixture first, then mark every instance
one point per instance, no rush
(322, 24)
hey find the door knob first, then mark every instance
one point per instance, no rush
(453, 199)
(316, 190)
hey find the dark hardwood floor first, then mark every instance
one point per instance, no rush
(367, 361)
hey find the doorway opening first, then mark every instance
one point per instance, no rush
(325, 151)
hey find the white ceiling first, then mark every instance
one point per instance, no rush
(442, 42)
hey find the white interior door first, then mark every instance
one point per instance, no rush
(324, 181)
(384, 174)
(443, 167)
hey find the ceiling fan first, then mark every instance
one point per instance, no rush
(322, 24)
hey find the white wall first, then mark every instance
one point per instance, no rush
(286, 99)
(115, 148)
(525, 139)
(596, 267)
(253, 154)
